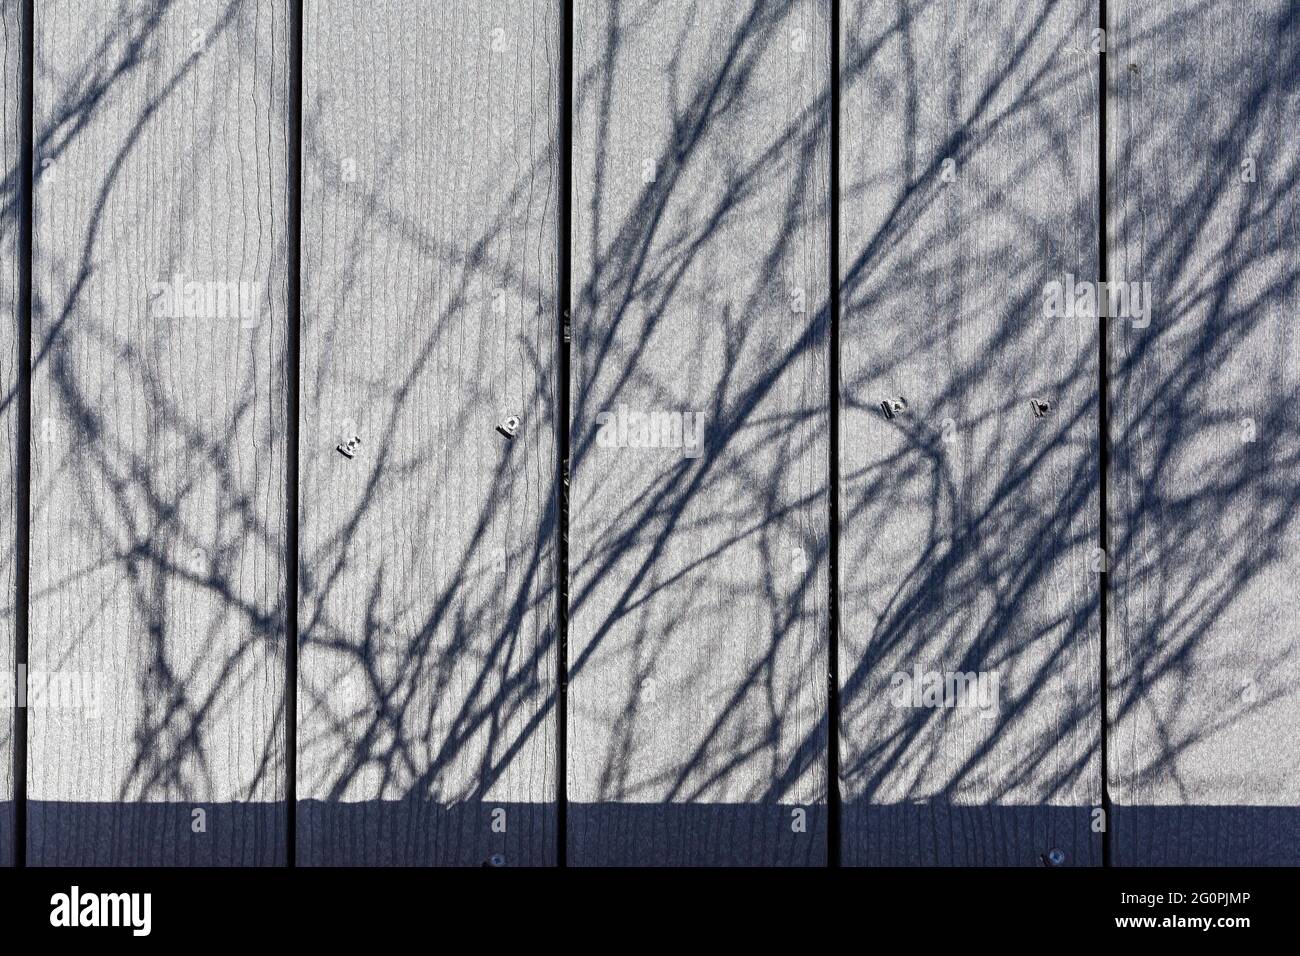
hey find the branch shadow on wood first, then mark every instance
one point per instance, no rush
(1002, 579)
(698, 637)
(158, 490)
(463, 626)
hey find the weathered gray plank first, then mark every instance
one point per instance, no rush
(966, 521)
(697, 703)
(427, 602)
(158, 454)
(1204, 184)
(11, 83)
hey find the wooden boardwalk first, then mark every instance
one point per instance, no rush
(652, 432)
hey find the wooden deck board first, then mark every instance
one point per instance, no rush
(1204, 186)
(158, 445)
(11, 88)
(427, 670)
(968, 182)
(698, 636)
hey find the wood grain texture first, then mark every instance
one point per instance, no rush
(427, 601)
(1204, 185)
(159, 432)
(968, 182)
(11, 84)
(698, 637)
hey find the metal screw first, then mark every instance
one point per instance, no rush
(893, 406)
(348, 448)
(1055, 857)
(496, 859)
(1040, 407)
(509, 427)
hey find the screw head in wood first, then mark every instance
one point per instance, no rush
(893, 406)
(496, 859)
(1040, 407)
(1055, 857)
(348, 449)
(509, 426)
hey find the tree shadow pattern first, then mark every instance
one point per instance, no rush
(698, 721)
(1204, 658)
(159, 433)
(427, 605)
(697, 704)
(11, 80)
(969, 182)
